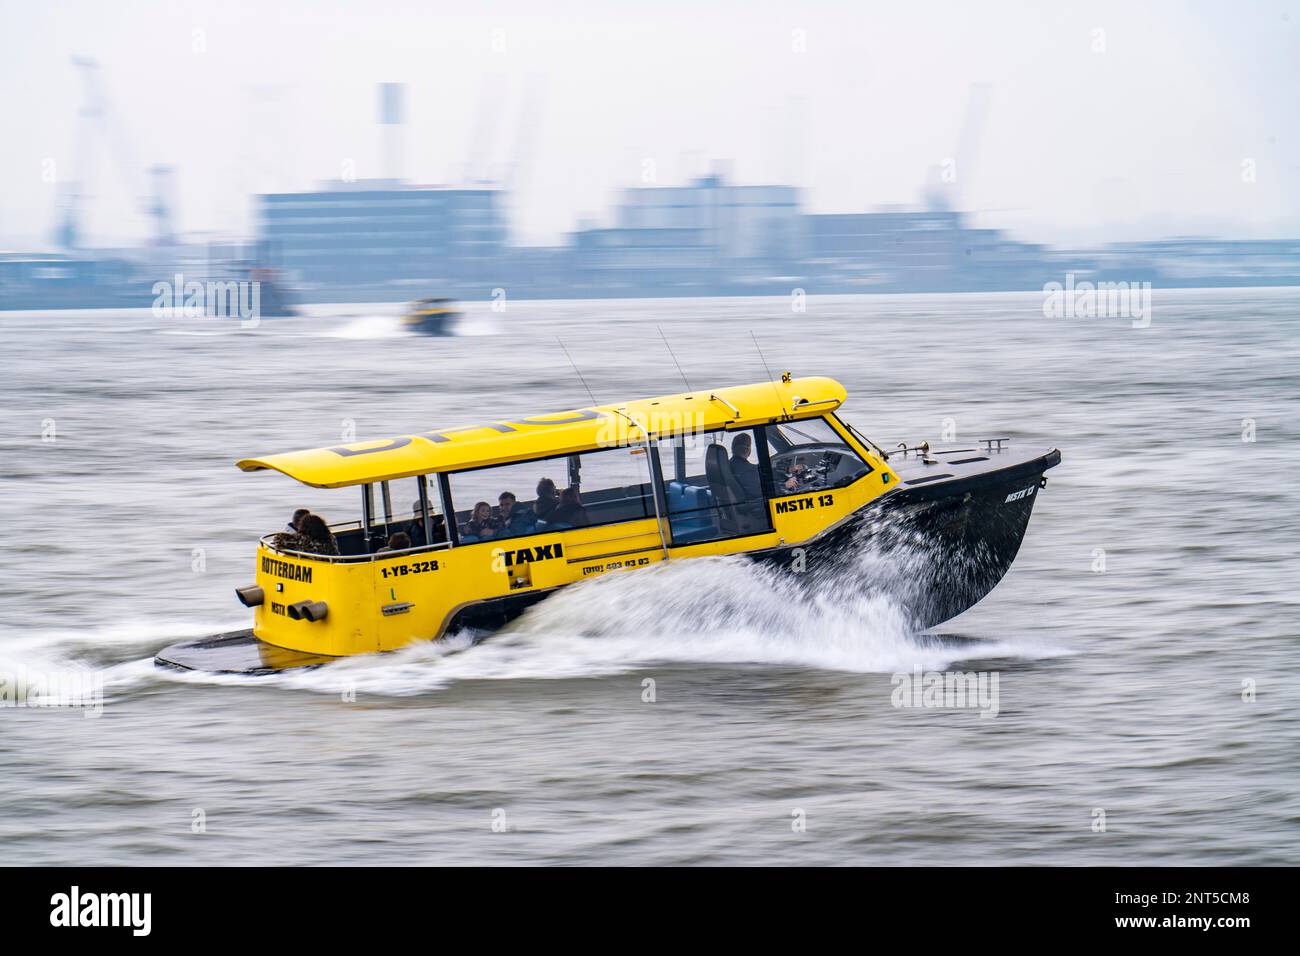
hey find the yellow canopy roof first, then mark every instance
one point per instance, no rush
(559, 433)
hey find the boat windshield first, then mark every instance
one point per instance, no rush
(810, 455)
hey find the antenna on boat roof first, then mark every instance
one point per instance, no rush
(760, 356)
(775, 391)
(674, 358)
(575, 368)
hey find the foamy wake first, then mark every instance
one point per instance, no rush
(112, 658)
(390, 327)
(370, 327)
(715, 611)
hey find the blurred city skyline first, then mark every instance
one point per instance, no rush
(1104, 122)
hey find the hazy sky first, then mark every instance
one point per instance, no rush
(1150, 127)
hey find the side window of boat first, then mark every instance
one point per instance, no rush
(395, 509)
(553, 494)
(713, 486)
(810, 455)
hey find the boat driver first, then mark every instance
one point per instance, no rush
(798, 477)
(742, 469)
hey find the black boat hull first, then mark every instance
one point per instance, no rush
(235, 652)
(940, 543)
(441, 324)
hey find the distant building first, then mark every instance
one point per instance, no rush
(711, 237)
(1197, 261)
(706, 235)
(737, 222)
(923, 250)
(59, 281)
(919, 249)
(382, 232)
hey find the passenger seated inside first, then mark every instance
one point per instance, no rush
(312, 537)
(399, 541)
(416, 527)
(296, 521)
(548, 499)
(512, 518)
(481, 525)
(569, 513)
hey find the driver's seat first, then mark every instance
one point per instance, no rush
(724, 487)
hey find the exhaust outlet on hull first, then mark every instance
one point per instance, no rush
(314, 611)
(251, 596)
(309, 611)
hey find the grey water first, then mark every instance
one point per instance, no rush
(1145, 642)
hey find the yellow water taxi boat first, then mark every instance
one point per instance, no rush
(431, 316)
(508, 512)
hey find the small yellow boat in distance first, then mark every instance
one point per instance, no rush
(431, 316)
(467, 527)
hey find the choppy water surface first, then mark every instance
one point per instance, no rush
(1119, 690)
